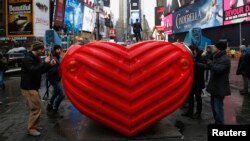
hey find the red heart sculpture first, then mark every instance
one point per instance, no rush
(127, 89)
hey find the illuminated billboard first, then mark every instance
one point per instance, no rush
(168, 24)
(236, 11)
(59, 13)
(20, 18)
(89, 19)
(202, 14)
(173, 5)
(159, 18)
(74, 15)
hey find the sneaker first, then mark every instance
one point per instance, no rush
(243, 93)
(54, 114)
(39, 128)
(34, 132)
(49, 107)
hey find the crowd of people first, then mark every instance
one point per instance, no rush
(213, 65)
(218, 63)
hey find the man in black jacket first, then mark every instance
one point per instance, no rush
(218, 85)
(55, 81)
(32, 69)
(137, 30)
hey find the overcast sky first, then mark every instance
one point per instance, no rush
(148, 7)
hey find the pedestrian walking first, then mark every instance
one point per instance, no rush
(218, 85)
(3, 68)
(137, 30)
(198, 85)
(246, 67)
(32, 69)
(55, 80)
(242, 70)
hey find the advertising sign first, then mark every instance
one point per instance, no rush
(159, 18)
(168, 24)
(73, 15)
(41, 17)
(19, 18)
(134, 4)
(173, 5)
(92, 2)
(236, 11)
(106, 3)
(202, 14)
(59, 13)
(89, 19)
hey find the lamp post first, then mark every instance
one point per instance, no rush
(240, 34)
(73, 32)
(97, 10)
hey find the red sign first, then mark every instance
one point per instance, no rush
(59, 13)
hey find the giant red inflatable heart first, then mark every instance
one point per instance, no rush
(127, 89)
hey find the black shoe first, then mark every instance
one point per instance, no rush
(56, 114)
(187, 115)
(197, 116)
(49, 107)
(243, 92)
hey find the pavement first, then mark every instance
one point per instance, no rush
(76, 127)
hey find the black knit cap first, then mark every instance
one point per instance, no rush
(221, 45)
(37, 45)
(57, 47)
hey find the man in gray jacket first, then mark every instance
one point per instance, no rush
(218, 85)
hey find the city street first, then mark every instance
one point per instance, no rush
(75, 126)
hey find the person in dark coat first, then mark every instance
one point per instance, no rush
(198, 85)
(218, 85)
(55, 80)
(32, 69)
(241, 70)
(137, 30)
(3, 68)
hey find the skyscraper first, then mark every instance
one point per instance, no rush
(121, 25)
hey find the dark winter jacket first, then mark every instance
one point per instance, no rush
(241, 69)
(219, 80)
(246, 64)
(199, 82)
(32, 69)
(53, 73)
(137, 27)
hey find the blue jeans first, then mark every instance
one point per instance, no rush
(217, 109)
(2, 85)
(207, 73)
(58, 95)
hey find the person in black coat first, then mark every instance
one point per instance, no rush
(242, 70)
(55, 80)
(198, 85)
(218, 85)
(137, 30)
(32, 69)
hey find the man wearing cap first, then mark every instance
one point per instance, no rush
(218, 85)
(32, 69)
